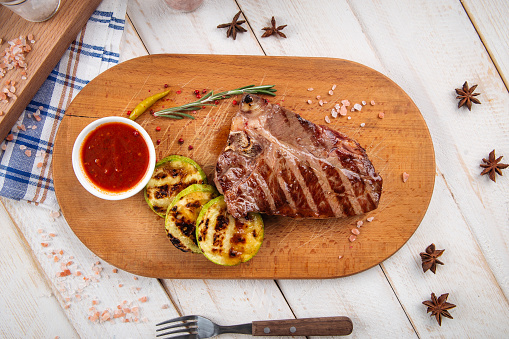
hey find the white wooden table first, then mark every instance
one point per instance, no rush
(429, 48)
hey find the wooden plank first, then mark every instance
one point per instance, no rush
(79, 292)
(491, 20)
(229, 302)
(292, 248)
(29, 308)
(190, 33)
(131, 45)
(461, 137)
(465, 275)
(52, 39)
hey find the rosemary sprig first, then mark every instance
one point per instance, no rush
(209, 99)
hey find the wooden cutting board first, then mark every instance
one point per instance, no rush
(130, 236)
(52, 38)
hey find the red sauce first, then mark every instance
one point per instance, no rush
(115, 157)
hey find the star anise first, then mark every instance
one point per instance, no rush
(493, 166)
(438, 307)
(429, 258)
(273, 30)
(234, 26)
(467, 96)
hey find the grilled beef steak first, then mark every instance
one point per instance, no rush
(276, 162)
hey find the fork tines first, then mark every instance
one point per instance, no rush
(186, 324)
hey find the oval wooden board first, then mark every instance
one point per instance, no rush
(130, 236)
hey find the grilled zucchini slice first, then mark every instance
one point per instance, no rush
(225, 240)
(171, 175)
(180, 222)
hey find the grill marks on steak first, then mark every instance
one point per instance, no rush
(276, 162)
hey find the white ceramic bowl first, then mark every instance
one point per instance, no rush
(80, 171)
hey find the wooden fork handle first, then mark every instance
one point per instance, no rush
(304, 327)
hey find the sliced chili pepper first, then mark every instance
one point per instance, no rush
(145, 104)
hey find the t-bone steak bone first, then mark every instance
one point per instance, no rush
(278, 163)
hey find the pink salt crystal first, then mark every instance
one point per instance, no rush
(333, 87)
(345, 103)
(28, 153)
(355, 231)
(370, 219)
(320, 102)
(372, 102)
(381, 115)
(327, 119)
(318, 97)
(310, 89)
(359, 223)
(405, 176)
(343, 110)
(340, 256)
(352, 238)
(309, 102)
(331, 92)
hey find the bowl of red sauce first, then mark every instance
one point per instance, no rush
(113, 158)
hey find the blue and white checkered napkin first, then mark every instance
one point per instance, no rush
(25, 162)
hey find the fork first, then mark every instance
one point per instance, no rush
(198, 327)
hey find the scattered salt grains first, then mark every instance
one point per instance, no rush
(357, 107)
(372, 103)
(320, 102)
(363, 124)
(363, 103)
(340, 256)
(355, 231)
(352, 109)
(345, 103)
(334, 113)
(318, 97)
(337, 107)
(28, 153)
(333, 87)
(349, 117)
(22, 147)
(309, 102)
(381, 115)
(327, 119)
(331, 92)
(310, 89)
(405, 176)
(359, 223)
(370, 219)
(352, 238)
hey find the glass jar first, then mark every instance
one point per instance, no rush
(33, 10)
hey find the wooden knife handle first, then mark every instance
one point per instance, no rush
(304, 327)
